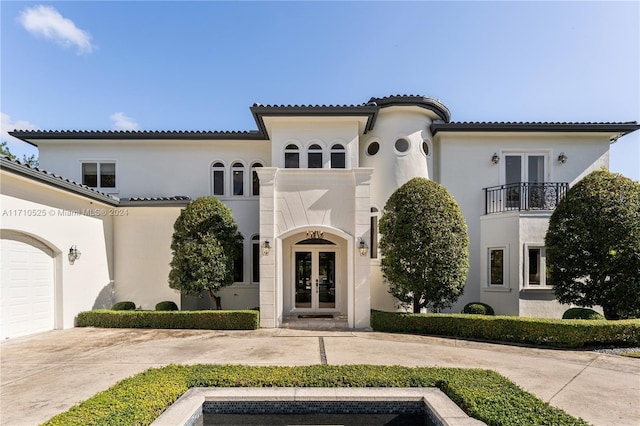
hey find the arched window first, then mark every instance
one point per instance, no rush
(218, 178)
(255, 182)
(255, 259)
(338, 156)
(314, 157)
(237, 175)
(291, 157)
(373, 242)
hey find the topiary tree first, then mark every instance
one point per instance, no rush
(425, 245)
(593, 245)
(204, 245)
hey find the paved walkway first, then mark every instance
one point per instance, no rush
(45, 374)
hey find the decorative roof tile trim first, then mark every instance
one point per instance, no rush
(414, 100)
(622, 128)
(15, 166)
(26, 135)
(177, 201)
(260, 111)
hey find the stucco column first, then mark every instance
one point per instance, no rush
(269, 294)
(362, 264)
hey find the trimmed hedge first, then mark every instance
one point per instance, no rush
(167, 305)
(205, 320)
(537, 331)
(582, 313)
(124, 306)
(478, 308)
(482, 394)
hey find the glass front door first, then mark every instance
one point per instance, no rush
(315, 279)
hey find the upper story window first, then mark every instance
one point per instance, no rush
(237, 174)
(99, 174)
(425, 148)
(402, 145)
(338, 156)
(218, 178)
(314, 157)
(373, 148)
(291, 157)
(255, 181)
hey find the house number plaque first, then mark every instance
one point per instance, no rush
(315, 235)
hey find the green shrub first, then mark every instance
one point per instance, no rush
(205, 320)
(582, 313)
(167, 305)
(124, 306)
(482, 394)
(478, 308)
(537, 331)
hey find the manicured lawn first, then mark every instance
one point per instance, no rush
(631, 354)
(482, 394)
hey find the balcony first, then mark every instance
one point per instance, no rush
(524, 196)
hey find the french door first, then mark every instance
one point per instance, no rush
(314, 279)
(524, 180)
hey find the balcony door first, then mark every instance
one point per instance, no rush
(315, 279)
(524, 180)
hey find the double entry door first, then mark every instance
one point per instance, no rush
(315, 279)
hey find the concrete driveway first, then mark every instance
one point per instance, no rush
(45, 374)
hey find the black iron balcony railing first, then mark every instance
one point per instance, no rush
(524, 196)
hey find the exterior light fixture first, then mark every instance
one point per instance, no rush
(266, 248)
(74, 254)
(363, 248)
(495, 159)
(562, 158)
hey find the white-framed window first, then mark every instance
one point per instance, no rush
(535, 266)
(372, 148)
(99, 174)
(255, 259)
(255, 181)
(497, 267)
(237, 178)
(426, 148)
(524, 175)
(402, 146)
(338, 156)
(314, 157)
(217, 176)
(291, 156)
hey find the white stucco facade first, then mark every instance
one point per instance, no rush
(311, 182)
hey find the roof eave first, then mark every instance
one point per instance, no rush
(619, 128)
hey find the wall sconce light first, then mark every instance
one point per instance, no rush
(74, 254)
(495, 159)
(562, 158)
(266, 248)
(363, 248)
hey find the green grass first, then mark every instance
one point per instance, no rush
(631, 354)
(482, 394)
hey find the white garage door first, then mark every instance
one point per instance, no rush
(27, 302)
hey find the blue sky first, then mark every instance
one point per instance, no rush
(201, 65)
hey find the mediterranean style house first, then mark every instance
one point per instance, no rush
(307, 189)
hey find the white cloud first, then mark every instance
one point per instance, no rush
(47, 22)
(122, 122)
(16, 146)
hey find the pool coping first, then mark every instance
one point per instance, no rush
(189, 406)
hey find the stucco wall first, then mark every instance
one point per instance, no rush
(59, 220)
(464, 167)
(155, 168)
